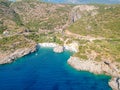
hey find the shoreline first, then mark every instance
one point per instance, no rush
(71, 47)
(75, 62)
(11, 57)
(87, 65)
(99, 68)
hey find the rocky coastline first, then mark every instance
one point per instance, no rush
(10, 57)
(98, 68)
(95, 67)
(101, 67)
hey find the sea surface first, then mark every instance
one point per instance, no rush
(46, 70)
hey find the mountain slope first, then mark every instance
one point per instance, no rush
(102, 22)
(13, 43)
(37, 15)
(9, 19)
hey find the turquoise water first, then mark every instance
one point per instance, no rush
(46, 70)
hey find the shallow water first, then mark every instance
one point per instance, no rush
(46, 70)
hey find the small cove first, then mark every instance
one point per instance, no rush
(46, 70)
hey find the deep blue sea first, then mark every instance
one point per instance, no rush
(46, 70)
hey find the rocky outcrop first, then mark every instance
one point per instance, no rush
(87, 65)
(58, 49)
(74, 46)
(98, 68)
(115, 83)
(78, 11)
(10, 57)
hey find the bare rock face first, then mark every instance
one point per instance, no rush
(10, 57)
(74, 46)
(115, 83)
(80, 10)
(98, 68)
(58, 49)
(86, 65)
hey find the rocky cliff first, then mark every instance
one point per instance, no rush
(80, 10)
(14, 47)
(10, 57)
(101, 67)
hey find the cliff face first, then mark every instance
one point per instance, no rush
(81, 10)
(96, 20)
(94, 66)
(101, 67)
(10, 55)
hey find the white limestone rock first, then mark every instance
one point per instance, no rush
(97, 68)
(59, 49)
(115, 83)
(10, 57)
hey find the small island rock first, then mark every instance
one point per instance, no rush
(58, 49)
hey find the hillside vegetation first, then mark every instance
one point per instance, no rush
(10, 44)
(9, 19)
(101, 22)
(105, 22)
(11, 27)
(42, 16)
(95, 27)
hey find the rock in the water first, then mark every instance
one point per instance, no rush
(115, 83)
(58, 49)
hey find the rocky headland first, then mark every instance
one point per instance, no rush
(102, 67)
(96, 67)
(10, 56)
